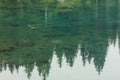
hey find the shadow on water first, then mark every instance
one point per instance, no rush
(29, 34)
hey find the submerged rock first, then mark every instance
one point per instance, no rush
(6, 48)
(24, 43)
(56, 41)
(53, 35)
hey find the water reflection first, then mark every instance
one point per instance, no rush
(32, 35)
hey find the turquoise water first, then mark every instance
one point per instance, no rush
(55, 40)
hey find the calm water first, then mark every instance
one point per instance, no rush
(60, 40)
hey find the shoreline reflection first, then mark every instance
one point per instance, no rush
(66, 42)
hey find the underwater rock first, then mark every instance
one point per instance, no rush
(32, 27)
(53, 35)
(9, 49)
(6, 49)
(24, 43)
(56, 41)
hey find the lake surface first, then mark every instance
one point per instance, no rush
(59, 40)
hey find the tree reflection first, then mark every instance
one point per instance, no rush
(92, 27)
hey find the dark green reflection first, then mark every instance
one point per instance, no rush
(30, 30)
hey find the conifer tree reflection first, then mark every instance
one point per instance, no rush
(90, 27)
